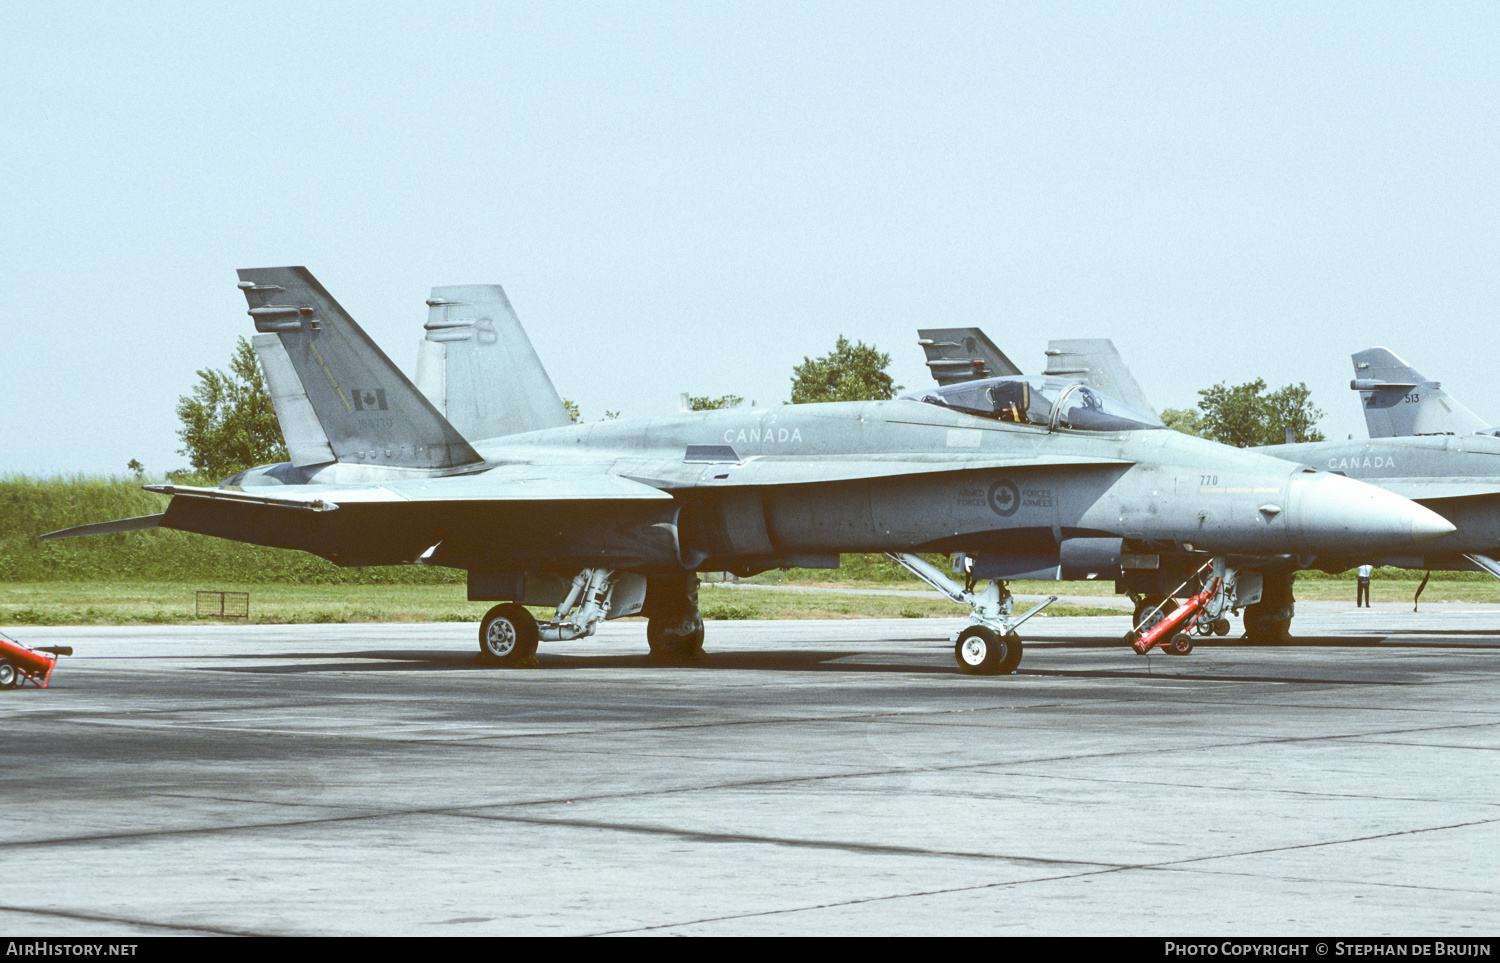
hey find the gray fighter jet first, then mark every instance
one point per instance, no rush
(1423, 445)
(616, 518)
(1427, 446)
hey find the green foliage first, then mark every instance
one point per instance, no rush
(864, 567)
(577, 414)
(1185, 420)
(228, 423)
(1246, 417)
(714, 404)
(848, 373)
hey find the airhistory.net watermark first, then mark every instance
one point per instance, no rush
(68, 948)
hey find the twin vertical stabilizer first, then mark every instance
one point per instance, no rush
(477, 366)
(1398, 401)
(337, 396)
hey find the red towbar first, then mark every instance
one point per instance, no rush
(1180, 622)
(19, 663)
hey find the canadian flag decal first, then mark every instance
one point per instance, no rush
(369, 399)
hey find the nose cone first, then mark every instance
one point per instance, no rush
(1338, 514)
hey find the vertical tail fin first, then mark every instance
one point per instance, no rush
(365, 409)
(1097, 363)
(477, 366)
(963, 354)
(1399, 401)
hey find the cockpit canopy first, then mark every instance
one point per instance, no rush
(1040, 400)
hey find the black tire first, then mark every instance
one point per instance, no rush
(1013, 651)
(980, 650)
(1269, 621)
(1221, 627)
(1143, 620)
(1268, 624)
(10, 676)
(508, 634)
(1182, 644)
(670, 643)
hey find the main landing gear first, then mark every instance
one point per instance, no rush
(1270, 619)
(508, 633)
(1171, 622)
(989, 645)
(674, 627)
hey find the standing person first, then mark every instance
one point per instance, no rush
(1362, 592)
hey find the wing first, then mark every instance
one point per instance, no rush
(521, 515)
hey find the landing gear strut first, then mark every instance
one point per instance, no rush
(508, 634)
(989, 645)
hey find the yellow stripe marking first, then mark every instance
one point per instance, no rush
(331, 379)
(1237, 491)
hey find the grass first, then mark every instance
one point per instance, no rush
(174, 603)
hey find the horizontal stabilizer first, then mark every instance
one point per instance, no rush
(137, 524)
(1399, 402)
(963, 354)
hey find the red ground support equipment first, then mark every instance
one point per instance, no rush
(1173, 633)
(20, 663)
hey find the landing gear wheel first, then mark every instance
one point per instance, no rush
(978, 651)
(1181, 644)
(1268, 624)
(508, 635)
(1146, 615)
(981, 650)
(1012, 654)
(674, 640)
(9, 677)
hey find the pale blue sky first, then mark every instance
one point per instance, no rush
(695, 196)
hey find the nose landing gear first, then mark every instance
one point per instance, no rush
(989, 645)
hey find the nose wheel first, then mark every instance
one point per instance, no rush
(980, 650)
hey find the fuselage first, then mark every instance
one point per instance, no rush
(772, 484)
(1457, 476)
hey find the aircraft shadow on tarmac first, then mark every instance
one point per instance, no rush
(930, 661)
(418, 661)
